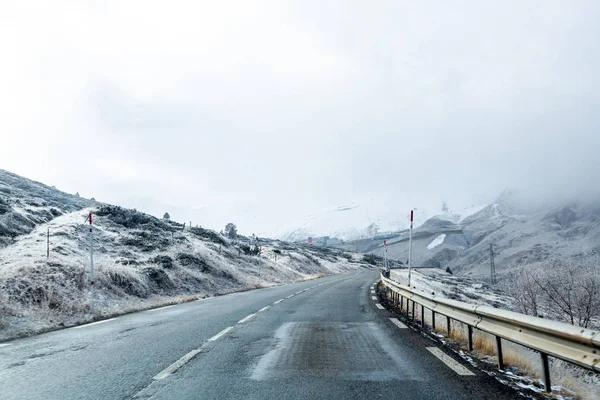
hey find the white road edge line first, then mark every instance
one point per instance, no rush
(94, 323)
(176, 365)
(372, 292)
(398, 323)
(278, 301)
(161, 308)
(374, 298)
(5, 344)
(379, 306)
(218, 335)
(241, 321)
(449, 361)
(265, 308)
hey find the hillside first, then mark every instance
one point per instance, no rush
(140, 261)
(520, 233)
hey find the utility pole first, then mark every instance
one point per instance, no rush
(410, 246)
(385, 261)
(91, 264)
(492, 266)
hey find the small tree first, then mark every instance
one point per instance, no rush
(166, 216)
(231, 231)
(448, 270)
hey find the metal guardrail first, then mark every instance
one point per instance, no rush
(567, 342)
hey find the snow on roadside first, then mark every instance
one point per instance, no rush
(433, 280)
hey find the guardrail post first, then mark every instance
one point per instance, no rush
(470, 336)
(432, 320)
(499, 352)
(546, 368)
(448, 325)
(413, 310)
(422, 316)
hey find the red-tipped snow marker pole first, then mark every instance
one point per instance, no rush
(410, 246)
(385, 261)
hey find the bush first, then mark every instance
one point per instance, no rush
(208, 234)
(129, 218)
(565, 291)
(372, 259)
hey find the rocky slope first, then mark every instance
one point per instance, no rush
(520, 233)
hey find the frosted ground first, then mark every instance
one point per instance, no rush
(140, 261)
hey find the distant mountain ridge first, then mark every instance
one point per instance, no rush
(520, 233)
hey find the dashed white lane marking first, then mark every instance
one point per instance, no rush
(176, 365)
(161, 308)
(374, 298)
(398, 323)
(278, 301)
(5, 344)
(379, 306)
(372, 292)
(299, 292)
(218, 335)
(247, 318)
(449, 361)
(94, 323)
(264, 308)
(290, 296)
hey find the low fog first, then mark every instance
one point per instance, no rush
(268, 113)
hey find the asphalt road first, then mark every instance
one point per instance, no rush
(318, 339)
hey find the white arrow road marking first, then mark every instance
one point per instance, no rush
(241, 321)
(449, 361)
(94, 323)
(398, 323)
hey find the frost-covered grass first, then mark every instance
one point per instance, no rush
(523, 368)
(139, 262)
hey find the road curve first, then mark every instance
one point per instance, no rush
(325, 338)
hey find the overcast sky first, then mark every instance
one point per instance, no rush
(266, 112)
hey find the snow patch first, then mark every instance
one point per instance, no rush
(437, 241)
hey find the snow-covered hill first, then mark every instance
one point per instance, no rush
(354, 222)
(521, 232)
(139, 260)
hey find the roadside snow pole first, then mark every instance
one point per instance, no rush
(48, 244)
(385, 261)
(91, 264)
(410, 245)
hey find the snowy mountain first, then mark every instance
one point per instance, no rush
(354, 222)
(521, 232)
